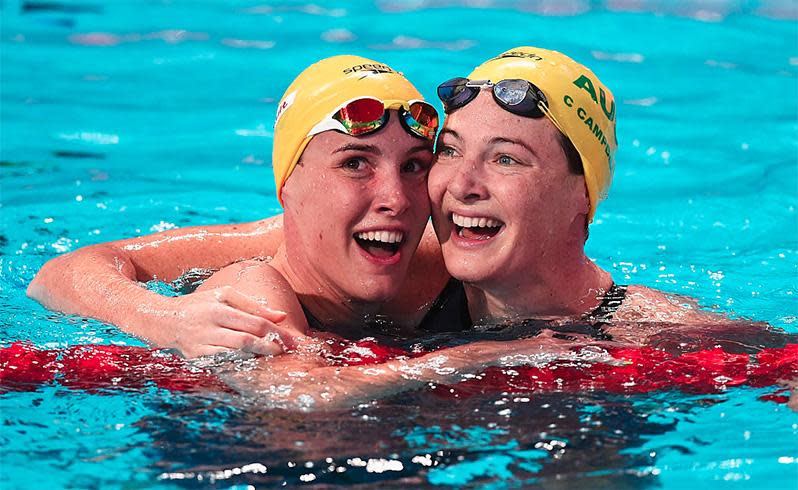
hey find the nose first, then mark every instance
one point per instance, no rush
(467, 184)
(392, 195)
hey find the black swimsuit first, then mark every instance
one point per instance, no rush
(449, 312)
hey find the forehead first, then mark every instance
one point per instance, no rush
(484, 119)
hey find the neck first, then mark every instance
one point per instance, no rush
(560, 287)
(338, 313)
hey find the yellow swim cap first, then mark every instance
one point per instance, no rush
(321, 89)
(579, 105)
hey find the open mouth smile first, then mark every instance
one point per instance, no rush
(476, 228)
(380, 246)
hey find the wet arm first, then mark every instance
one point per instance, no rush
(304, 380)
(653, 317)
(101, 281)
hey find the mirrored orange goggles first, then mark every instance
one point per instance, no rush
(367, 115)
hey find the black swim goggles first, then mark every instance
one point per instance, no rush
(514, 95)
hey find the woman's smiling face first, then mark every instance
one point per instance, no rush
(502, 194)
(356, 207)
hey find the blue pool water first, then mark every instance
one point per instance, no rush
(127, 117)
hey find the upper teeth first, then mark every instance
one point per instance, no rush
(469, 222)
(381, 236)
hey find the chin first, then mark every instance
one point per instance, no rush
(375, 296)
(377, 291)
(463, 271)
(468, 267)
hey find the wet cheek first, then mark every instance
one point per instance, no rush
(420, 193)
(525, 208)
(435, 193)
(436, 183)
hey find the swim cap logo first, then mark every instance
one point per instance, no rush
(369, 69)
(285, 104)
(519, 54)
(586, 84)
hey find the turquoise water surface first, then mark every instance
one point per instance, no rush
(128, 117)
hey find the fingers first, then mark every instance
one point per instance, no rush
(249, 304)
(230, 317)
(203, 350)
(274, 344)
(255, 345)
(265, 347)
(233, 339)
(234, 319)
(219, 339)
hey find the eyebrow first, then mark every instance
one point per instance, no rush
(358, 147)
(494, 141)
(419, 148)
(520, 143)
(449, 132)
(375, 150)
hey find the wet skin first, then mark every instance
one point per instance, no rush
(511, 172)
(345, 190)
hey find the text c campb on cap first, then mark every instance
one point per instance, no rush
(584, 82)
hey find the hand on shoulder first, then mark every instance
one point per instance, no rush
(253, 292)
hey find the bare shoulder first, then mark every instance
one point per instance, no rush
(652, 305)
(259, 280)
(249, 275)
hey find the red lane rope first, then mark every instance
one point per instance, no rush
(91, 367)
(643, 370)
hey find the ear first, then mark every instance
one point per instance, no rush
(287, 193)
(582, 208)
(583, 197)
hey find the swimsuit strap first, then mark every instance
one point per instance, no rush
(313, 322)
(594, 323)
(449, 311)
(610, 302)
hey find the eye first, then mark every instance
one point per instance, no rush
(354, 163)
(506, 160)
(414, 166)
(445, 151)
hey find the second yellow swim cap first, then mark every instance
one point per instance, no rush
(321, 89)
(579, 105)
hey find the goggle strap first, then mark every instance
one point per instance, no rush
(329, 124)
(545, 110)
